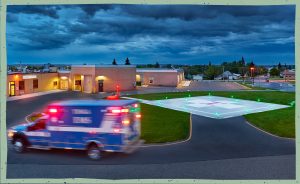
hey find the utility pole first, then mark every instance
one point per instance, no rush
(223, 74)
(252, 69)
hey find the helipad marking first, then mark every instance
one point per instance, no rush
(214, 106)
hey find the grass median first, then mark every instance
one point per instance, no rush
(161, 125)
(279, 122)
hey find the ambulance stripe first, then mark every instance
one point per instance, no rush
(80, 129)
(38, 134)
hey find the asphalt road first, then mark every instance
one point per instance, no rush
(218, 149)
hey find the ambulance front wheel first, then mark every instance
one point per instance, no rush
(94, 152)
(19, 145)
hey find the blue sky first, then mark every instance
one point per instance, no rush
(181, 34)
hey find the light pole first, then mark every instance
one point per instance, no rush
(252, 69)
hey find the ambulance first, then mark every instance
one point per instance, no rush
(92, 125)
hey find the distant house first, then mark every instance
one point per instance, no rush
(227, 75)
(288, 74)
(53, 69)
(198, 77)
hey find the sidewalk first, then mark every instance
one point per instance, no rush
(13, 98)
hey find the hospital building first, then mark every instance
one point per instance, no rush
(92, 79)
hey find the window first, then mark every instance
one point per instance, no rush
(35, 83)
(38, 125)
(55, 83)
(151, 80)
(21, 85)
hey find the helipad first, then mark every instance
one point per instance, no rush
(214, 106)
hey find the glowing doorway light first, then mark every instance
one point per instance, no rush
(64, 77)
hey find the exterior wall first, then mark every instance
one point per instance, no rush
(45, 82)
(65, 82)
(78, 72)
(161, 78)
(289, 76)
(89, 75)
(124, 77)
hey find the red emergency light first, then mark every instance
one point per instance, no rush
(53, 110)
(114, 97)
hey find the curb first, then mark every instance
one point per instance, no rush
(243, 85)
(31, 95)
(273, 135)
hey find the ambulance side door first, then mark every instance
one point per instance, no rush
(38, 134)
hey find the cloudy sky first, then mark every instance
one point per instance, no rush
(190, 34)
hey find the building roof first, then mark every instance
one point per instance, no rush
(288, 72)
(105, 66)
(94, 103)
(63, 71)
(158, 70)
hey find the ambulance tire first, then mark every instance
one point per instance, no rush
(19, 145)
(94, 152)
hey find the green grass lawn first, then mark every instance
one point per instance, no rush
(163, 125)
(279, 122)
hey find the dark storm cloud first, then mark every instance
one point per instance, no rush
(92, 9)
(50, 11)
(163, 29)
(191, 12)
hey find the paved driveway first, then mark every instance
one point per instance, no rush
(218, 149)
(282, 86)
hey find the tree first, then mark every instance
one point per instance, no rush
(114, 62)
(251, 64)
(127, 62)
(285, 67)
(211, 72)
(243, 61)
(156, 65)
(209, 63)
(274, 72)
(279, 66)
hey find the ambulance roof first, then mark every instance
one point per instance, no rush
(94, 103)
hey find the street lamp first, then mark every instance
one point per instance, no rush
(252, 69)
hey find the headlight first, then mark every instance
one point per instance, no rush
(10, 133)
